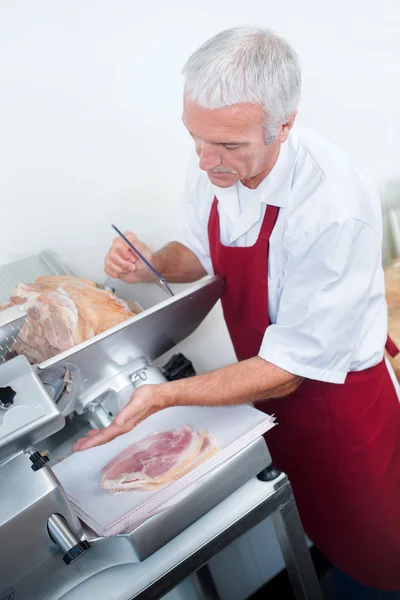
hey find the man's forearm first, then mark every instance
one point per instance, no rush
(178, 264)
(244, 382)
(241, 383)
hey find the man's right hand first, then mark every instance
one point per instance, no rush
(122, 263)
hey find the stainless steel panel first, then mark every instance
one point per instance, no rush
(33, 416)
(23, 518)
(293, 544)
(52, 578)
(26, 270)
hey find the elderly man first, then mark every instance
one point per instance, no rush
(296, 232)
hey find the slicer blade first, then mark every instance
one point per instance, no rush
(11, 322)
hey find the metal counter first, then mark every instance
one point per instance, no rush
(190, 551)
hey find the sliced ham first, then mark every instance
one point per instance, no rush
(158, 460)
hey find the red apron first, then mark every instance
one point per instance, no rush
(339, 444)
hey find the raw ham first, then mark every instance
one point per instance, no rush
(158, 460)
(63, 311)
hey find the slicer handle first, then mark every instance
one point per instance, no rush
(65, 539)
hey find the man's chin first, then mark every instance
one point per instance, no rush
(222, 180)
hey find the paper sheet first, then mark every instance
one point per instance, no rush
(80, 474)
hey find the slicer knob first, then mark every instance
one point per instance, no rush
(76, 551)
(38, 461)
(7, 395)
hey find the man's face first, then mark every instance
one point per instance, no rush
(230, 142)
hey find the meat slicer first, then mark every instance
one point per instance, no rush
(46, 551)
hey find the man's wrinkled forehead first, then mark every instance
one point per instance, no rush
(211, 124)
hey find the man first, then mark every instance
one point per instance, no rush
(296, 232)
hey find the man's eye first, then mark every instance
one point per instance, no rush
(231, 146)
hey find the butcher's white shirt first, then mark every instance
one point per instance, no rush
(326, 290)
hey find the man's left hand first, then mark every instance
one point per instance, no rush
(145, 401)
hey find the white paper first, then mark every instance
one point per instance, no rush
(80, 474)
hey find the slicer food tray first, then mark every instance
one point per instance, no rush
(27, 270)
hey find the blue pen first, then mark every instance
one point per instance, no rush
(160, 280)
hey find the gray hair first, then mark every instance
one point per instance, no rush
(246, 65)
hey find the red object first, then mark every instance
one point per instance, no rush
(391, 347)
(338, 443)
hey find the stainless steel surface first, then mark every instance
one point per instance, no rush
(28, 497)
(150, 334)
(26, 501)
(121, 380)
(293, 545)
(26, 270)
(32, 417)
(119, 579)
(146, 375)
(61, 534)
(139, 544)
(104, 402)
(97, 415)
(294, 548)
(62, 382)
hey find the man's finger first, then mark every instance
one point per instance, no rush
(122, 249)
(100, 437)
(92, 432)
(115, 262)
(116, 273)
(129, 414)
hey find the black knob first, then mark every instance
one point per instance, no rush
(178, 367)
(76, 551)
(269, 473)
(38, 461)
(7, 395)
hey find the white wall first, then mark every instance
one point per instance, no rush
(90, 108)
(90, 114)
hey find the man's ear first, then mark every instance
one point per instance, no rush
(286, 127)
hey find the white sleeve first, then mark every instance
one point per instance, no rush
(329, 275)
(192, 217)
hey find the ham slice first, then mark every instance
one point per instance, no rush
(158, 460)
(63, 311)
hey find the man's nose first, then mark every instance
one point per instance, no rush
(209, 157)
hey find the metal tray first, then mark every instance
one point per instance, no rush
(27, 270)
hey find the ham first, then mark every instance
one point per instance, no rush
(63, 311)
(158, 459)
